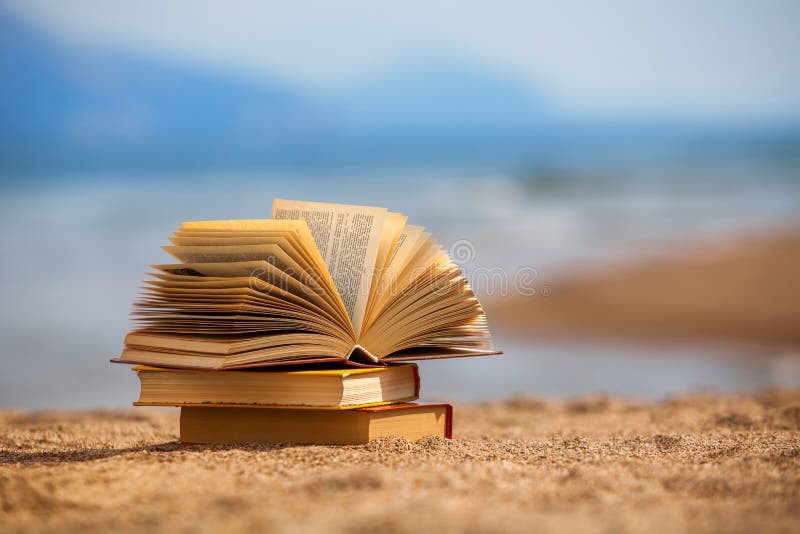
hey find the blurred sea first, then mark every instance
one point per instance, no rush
(76, 246)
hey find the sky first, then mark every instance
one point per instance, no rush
(718, 59)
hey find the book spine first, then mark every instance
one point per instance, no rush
(448, 422)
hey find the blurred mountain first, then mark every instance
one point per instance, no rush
(440, 92)
(69, 106)
(65, 107)
(61, 106)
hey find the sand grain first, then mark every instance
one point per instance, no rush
(702, 463)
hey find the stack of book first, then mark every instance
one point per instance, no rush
(295, 329)
(323, 406)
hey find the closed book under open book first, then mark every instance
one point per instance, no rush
(311, 388)
(317, 283)
(318, 427)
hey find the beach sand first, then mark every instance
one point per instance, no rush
(742, 288)
(699, 463)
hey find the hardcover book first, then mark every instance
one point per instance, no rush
(318, 427)
(311, 388)
(317, 283)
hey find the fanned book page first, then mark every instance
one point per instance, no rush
(317, 283)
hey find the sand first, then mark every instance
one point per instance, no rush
(700, 463)
(743, 288)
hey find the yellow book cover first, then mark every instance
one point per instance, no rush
(322, 388)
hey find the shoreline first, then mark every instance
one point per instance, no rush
(743, 289)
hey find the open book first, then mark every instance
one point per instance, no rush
(316, 283)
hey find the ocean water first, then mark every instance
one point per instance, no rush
(76, 246)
